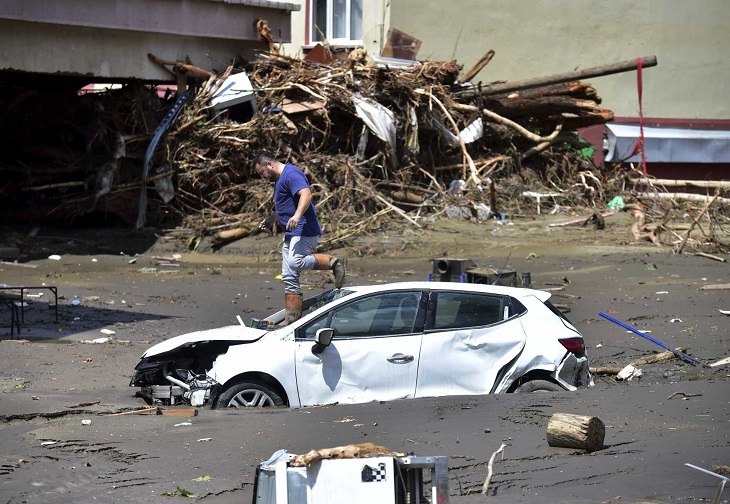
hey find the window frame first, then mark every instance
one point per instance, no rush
(507, 310)
(348, 41)
(325, 320)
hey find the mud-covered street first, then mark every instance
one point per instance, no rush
(53, 381)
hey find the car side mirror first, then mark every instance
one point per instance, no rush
(322, 340)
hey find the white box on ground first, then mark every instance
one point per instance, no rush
(385, 480)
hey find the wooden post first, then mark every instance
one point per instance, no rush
(576, 431)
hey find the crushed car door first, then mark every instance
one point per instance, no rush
(468, 338)
(373, 355)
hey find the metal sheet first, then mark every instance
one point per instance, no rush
(667, 145)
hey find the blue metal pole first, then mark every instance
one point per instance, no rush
(679, 354)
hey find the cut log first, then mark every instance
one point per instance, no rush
(576, 431)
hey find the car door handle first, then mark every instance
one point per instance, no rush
(399, 357)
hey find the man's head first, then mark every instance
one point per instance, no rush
(264, 164)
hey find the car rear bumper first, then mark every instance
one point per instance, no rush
(573, 372)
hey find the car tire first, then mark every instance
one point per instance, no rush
(248, 394)
(538, 386)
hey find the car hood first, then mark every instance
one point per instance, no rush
(233, 333)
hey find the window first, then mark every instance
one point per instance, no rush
(338, 21)
(385, 314)
(456, 310)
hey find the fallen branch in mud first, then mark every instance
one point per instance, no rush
(606, 371)
(582, 221)
(142, 411)
(639, 228)
(660, 357)
(696, 220)
(485, 486)
(684, 394)
(708, 256)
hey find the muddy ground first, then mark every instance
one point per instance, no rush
(51, 380)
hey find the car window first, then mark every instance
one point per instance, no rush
(384, 314)
(455, 310)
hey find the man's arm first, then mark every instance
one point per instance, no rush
(305, 198)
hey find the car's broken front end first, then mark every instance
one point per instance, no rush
(178, 376)
(176, 370)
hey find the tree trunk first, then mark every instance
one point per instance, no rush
(576, 431)
(505, 87)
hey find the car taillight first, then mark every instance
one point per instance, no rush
(574, 345)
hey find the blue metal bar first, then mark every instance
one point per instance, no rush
(679, 354)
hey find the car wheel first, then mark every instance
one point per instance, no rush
(538, 386)
(249, 394)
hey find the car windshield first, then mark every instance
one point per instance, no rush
(318, 301)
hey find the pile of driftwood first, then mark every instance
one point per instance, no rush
(383, 146)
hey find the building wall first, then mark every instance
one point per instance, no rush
(111, 39)
(533, 38)
(110, 54)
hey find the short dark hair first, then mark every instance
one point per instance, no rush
(263, 156)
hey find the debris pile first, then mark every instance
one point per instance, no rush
(385, 143)
(383, 146)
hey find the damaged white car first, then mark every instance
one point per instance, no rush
(375, 343)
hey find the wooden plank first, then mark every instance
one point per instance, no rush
(186, 412)
(716, 287)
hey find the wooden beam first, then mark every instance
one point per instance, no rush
(599, 71)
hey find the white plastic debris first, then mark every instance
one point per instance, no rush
(201, 440)
(54, 257)
(662, 292)
(197, 398)
(95, 260)
(101, 340)
(725, 312)
(183, 423)
(108, 332)
(48, 443)
(600, 345)
(628, 373)
(85, 422)
(676, 320)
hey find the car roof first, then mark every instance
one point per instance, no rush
(517, 292)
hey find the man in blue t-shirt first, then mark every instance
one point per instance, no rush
(295, 212)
